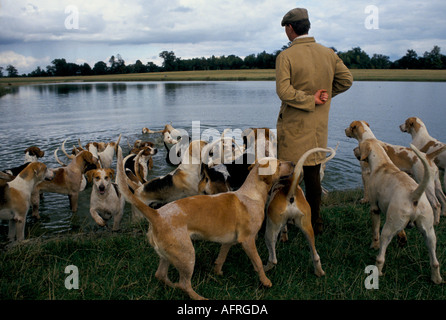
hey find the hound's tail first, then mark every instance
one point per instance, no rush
(69, 156)
(57, 158)
(149, 213)
(298, 170)
(416, 195)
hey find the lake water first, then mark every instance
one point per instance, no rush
(46, 115)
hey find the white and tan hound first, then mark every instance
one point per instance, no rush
(226, 218)
(67, 180)
(401, 199)
(32, 154)
(423, 141)
(106, 201)
(179, 183)
(406, 160)
(289, 205)
(15, 197)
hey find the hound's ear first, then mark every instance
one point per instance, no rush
(252, 165)
(204, 169)
(89, 175)
(364, 149)
(267, 170)
(367, 124)
(357, 153)
(268, 179)
(111, 173)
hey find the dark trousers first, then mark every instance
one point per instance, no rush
(313, 193)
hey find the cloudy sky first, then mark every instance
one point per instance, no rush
(34, 32)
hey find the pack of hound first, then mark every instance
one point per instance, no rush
(224, 192)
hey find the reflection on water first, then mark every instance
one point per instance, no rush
(45, 115)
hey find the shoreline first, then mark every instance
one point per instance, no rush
(230, 75)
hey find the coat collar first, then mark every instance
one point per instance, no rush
(302, 40)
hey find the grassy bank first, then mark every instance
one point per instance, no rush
(122, 265)
(232, 75)
(4, 90)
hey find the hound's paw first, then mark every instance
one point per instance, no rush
(319, 273)
(267, 283)
(438, 281)
(217, 271)
(100, 221)
(269, 266)
(364, 201)
(375, 245)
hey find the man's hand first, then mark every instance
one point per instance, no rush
(321, 96)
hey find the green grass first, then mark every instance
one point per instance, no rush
(398, 75)
(233, 75)
(122, 265)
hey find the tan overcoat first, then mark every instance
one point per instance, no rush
(301, 70)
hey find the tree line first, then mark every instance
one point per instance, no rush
(356, 58)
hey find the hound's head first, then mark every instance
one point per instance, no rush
(412, 125)
(89, 161)
(167, 134)
(102, 146)
(271, 169)
(147, 146)
(33, 153)
(192, 154)
(101, 179)
(359, 130)
(212, 181)
(37, 171)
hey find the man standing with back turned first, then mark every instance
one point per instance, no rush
(308, 75)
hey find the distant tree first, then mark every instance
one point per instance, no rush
(112, 61)
(233, 62)
(151, 67)
(12, 71)
(409, 61)
(265, 60)
(139, 67)
(38, 72)
(117, 65)
(250, 61)
(73, 69)
(99, 68)
(50, 70)
(60, 67)
(85, 69)
(1, 72)
(121, 64)
(379, 61)
(443, 61)
(433, 59)
(170, 61)
(355, 58)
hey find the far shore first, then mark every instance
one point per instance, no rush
(230, 75)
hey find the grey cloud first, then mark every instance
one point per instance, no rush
(238, 27)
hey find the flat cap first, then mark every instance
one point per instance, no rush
(294, 15)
